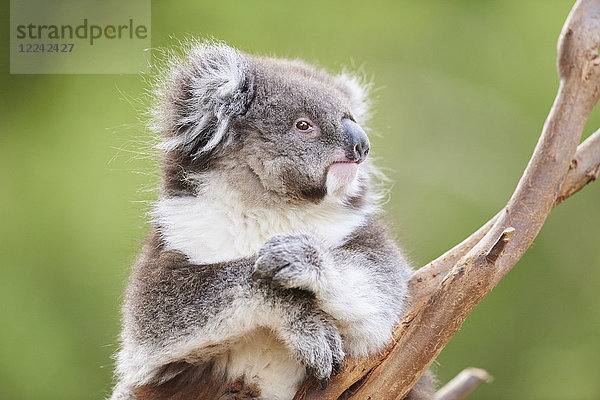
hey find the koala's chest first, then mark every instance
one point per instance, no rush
(210, 232)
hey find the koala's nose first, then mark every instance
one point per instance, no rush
(358, 142)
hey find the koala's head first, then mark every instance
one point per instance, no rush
(275, 126)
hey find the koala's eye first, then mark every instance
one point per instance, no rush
(304, 126)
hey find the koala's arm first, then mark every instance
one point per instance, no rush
(177, 314)
(362, 284)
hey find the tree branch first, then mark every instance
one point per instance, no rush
(436, 317)
(584, 167)
(463, 384)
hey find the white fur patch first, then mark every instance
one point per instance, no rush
(264, 361)
(349, 294)
(217, 225)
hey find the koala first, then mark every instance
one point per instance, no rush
(266, 261)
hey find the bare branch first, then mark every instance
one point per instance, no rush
(433, 320)
(463, 384)
(584, 167)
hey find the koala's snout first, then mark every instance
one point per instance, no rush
(358, 142)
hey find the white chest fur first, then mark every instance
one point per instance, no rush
(264, 361)
(217, 225)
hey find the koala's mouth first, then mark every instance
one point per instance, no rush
(346, 162)
(343, 171)
(341, 158)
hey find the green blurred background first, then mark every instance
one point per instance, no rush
(463, 88)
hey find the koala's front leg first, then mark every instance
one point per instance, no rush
(308, 332)
(361, 284)
(285, 264)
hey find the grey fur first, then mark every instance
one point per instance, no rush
(226, 119)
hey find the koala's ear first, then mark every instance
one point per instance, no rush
(357, 89)
(203, 91)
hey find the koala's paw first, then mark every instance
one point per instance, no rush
(290, 261)
(318, 345)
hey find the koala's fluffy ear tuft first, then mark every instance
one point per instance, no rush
(203, 91)
(357, 89)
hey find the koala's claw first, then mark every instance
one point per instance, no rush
(319, 347)
(337, 367)
(324, 383)
(264, 270)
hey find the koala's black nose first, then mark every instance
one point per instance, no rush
(358, 142)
